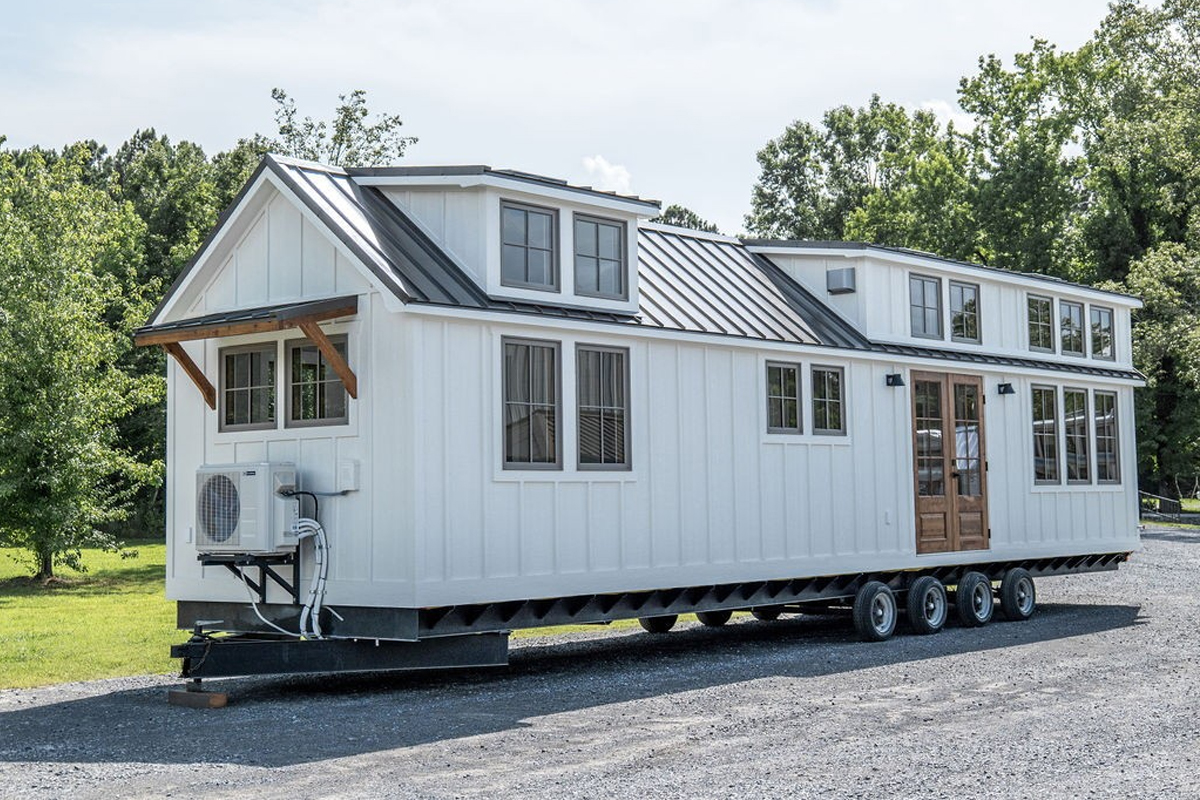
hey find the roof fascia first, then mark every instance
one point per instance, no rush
(566, 194)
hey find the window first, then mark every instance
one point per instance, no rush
(531, 392)
(527, 247)
(1075, 422)
(248, 388)
(1072, 327)
(828, 402)
(316, 395)
(925, 306)
(1045, 435)
(783, 398)
(603, 383)
(599, 258)
(1041, 323)
(1105, 414)
(1102, 333)
(964, 312)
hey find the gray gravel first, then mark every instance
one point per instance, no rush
(1097, 696)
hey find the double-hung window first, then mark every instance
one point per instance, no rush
(531, 405)
(1075, 424)
(964, 312)
(247, 387)
(828, 400)
(603, 397)
(528, 247)
(1072, 327)
(1102, 333)
(1104, 412)
(1041, 323)
(783, 398)
(925, 306)
(1045, 435)
(599, 258)
(316, 395)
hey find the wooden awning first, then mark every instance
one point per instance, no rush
(306, 316)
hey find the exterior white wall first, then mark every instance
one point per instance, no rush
(454, 218)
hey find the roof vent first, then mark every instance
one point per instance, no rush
(840, 281)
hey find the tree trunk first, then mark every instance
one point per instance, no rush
(45, 566)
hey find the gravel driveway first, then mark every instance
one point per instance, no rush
(1097, 696)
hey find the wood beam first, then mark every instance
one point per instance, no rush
(217, 330)
(313, 331)
(194, 372)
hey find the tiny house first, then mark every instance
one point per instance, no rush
(508, 401)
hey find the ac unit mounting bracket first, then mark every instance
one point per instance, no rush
(238, 563)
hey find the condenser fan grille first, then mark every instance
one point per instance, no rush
(219, 509)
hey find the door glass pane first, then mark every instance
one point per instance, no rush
(967, 452)
(930, 460)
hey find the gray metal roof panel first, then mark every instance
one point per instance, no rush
(276, 312)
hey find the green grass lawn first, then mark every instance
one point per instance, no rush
(1190, 504)
(112, 620)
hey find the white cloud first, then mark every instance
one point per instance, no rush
(605, 176)
(950, 112)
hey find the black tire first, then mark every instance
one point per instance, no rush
(875, 612)
(766, 613)
(927, 605)
(1018, 597)
(659, 624)
(714, 619)
(974, 601)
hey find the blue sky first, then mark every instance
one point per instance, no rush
(669, 100)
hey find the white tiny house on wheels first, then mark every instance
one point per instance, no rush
(520, 403)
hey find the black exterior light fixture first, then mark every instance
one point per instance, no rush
(1006, 388)
(895, 379)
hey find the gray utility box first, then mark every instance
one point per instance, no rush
(840, 281)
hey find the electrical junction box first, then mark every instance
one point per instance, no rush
(347, 475)
(840, 281)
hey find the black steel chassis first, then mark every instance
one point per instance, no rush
(229, 640)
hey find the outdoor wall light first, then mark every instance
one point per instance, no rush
(895, 379)
(1006, 388)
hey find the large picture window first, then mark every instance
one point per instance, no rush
(1072, 327)
(1045, 435)
(528, 247)
(1041, 323)
(531, 405)
(599, 258)
(1102, 333)
(1075, 424)
(248, 387)
(316, 395)
(828, 400)
(1104, 411)
(925, 306)
(603, 397)
(783, 398)
(964, 312)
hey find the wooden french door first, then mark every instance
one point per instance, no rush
(950, 464)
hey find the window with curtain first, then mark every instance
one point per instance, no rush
(531, 397)
(603, 398)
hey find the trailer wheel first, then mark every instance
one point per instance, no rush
(875, 612)
(1018, 598)
(973, 600)
(659, 624)
(766, 613)
(714, 619)
(927, 605)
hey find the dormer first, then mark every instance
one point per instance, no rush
(525, 237)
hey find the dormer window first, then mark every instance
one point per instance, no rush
(528, 247)
(599, 258)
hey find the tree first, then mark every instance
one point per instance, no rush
(348, 140)
(69, 300)
(683, 217)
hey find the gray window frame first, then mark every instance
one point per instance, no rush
(222, 387)
(941, 311)
(978, 315)
(557, 465)
(1116, 438)
(841, 401)
(623, 249)
(1062, 331)
(799, 429)
(555, 272)
(1112, 339)
(1051, 322)
(627, 464)
(289, 346)
(1054, 418)
(1087, 437)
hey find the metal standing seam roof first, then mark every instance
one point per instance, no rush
(687, 281)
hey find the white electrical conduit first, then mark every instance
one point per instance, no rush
(305, 529)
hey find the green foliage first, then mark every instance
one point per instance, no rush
(348, 140)
(684, 217)
(69, 299)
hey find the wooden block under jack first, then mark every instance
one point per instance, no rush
(192, 698)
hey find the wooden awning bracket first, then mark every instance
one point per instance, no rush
(194, 372)
(317, 336)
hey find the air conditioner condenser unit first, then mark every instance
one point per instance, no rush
(242, 508)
